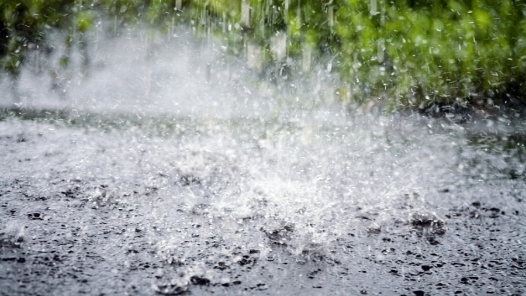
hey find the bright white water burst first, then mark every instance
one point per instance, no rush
(208, 163)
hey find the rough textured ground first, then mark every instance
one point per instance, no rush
(108, 205)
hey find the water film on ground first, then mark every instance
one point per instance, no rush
(170, 168)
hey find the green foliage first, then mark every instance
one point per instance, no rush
(27, 23)
(433, 52)
(409, 52)
(412, 52)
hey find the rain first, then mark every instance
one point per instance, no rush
(262, 147)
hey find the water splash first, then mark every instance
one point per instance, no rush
(215, 167)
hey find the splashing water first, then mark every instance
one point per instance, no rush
(208, 163)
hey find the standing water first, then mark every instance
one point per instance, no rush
(171, 169)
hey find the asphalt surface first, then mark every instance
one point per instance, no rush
(110, 204)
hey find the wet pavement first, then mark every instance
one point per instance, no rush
(112, 204)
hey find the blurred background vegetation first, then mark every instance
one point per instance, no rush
(404, 53)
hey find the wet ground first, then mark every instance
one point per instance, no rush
(118, 204)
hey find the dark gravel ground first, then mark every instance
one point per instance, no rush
(88, 211)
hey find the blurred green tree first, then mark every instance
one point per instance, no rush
(409, 53)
